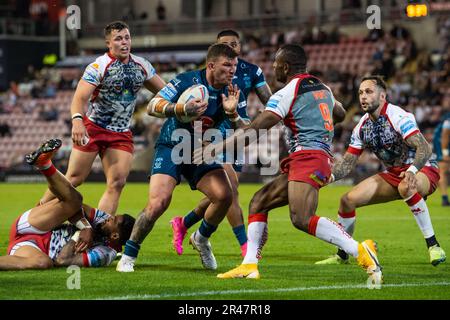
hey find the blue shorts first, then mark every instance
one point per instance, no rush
(163, 164)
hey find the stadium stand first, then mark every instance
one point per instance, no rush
(418, 80)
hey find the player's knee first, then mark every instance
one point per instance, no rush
(348, 200)
(299, 222)
(222, 196)
(405, 191)
(156, 207)
(75, 179)
(257, 203)
(117, 183)
(41, 263)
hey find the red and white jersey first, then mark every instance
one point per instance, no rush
(305, 105)
(386, 137)
(116, 86)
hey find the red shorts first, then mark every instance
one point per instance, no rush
(309, 166)
(101, 139)
(41, 240)
(392, 176)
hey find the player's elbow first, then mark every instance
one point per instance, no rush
(62, 261)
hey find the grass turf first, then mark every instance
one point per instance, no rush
(287, 268)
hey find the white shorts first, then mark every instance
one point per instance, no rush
(24, 227)
(30, 243)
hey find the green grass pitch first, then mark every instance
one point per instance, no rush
(287, 268)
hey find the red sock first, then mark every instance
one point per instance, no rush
(49, 171)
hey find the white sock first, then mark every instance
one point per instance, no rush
(347, 221)
(419, 208)
(256, 234)
(332, 232)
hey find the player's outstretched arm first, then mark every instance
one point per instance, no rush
(264, 120)
(264, 93)
(80, 99)
(343, 166)
(162, 108)
(154, 84)
(68, 257)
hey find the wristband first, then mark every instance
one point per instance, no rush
(180, 109)
(412, 169)
(445, 152)
(82, 224)
(332, 178)
(233, 116)
(76, 236)
(77, 116)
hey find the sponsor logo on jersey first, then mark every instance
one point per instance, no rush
(407, 126)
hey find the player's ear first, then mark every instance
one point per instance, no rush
(114, 236)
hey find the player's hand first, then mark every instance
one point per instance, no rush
(195, 108)
(230, 103)
(85, 240)
(78, 132)
(410, 180)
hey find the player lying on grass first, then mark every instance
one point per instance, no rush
(40, 240)
(392, 134)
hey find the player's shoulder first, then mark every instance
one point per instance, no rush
(244, 64)
(101, 62)
(248, 67)
(189, 78)
(397, 113)
(361, 122)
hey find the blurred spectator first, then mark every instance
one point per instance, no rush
(5, 130)
(161, 11)
(48, 113)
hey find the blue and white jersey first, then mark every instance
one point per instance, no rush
(248, 77)
(305, 105)
(386, 137)
(100, 254)
(213, 117)
(116, 86)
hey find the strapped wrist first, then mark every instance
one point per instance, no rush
(232, 116)
(83, 223)
(412, 169)
(77, 116)
(445, 152)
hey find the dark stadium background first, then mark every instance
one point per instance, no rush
(41, 61)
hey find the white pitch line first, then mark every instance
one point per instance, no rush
(295, 289)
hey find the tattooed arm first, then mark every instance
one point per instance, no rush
(423, 153)
(423, 150)
(264, 93)
(344, 166)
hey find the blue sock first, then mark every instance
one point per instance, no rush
(240, 234)
(132, 248)
(445, 198)
(206, 229)
(190, 219)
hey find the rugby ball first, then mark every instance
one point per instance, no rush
(197, 91)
